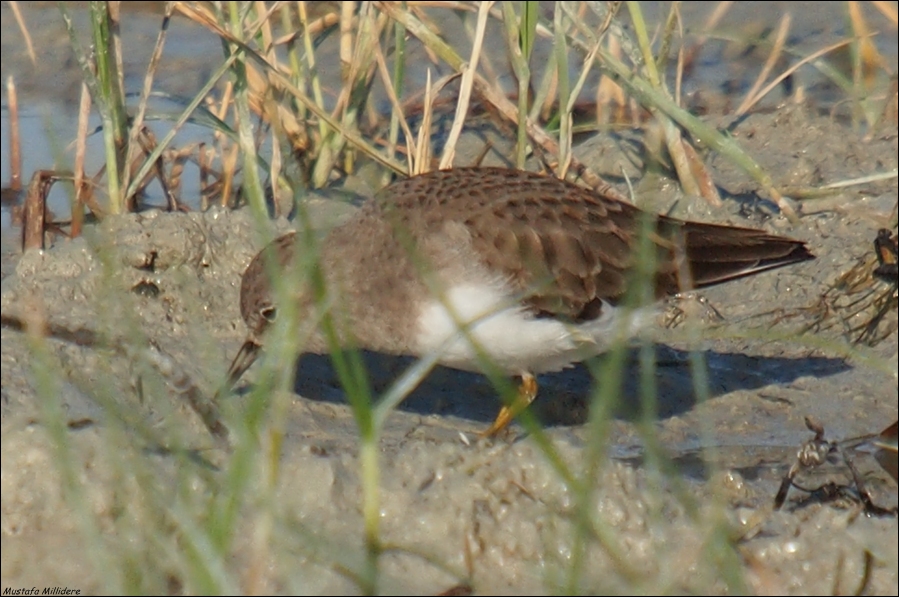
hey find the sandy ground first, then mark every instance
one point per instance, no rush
(90, 502)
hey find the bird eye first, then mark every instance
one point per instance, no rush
(270, 314)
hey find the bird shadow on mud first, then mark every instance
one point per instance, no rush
(564, 397)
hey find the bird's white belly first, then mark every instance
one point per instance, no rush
(512, 338)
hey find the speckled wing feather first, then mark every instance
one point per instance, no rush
(570, 249)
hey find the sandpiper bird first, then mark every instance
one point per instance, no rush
(532, 267)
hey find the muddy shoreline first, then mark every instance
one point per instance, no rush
(91, 501)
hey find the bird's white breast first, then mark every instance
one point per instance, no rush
(513, 338)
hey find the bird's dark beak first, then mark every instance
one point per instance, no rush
(245, 357)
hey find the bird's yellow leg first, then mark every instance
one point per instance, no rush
(527, 391)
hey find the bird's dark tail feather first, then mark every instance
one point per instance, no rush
(720, 253)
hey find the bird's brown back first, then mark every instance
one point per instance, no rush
(570, 248)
